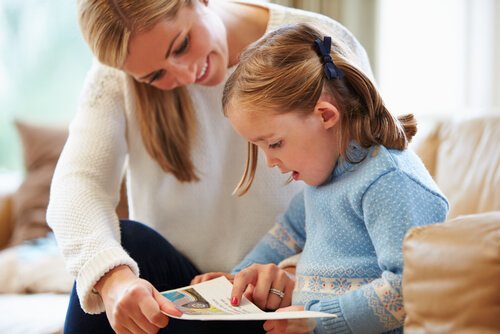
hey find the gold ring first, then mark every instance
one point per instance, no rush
(277, 292)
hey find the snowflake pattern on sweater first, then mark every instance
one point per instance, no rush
(351, 262)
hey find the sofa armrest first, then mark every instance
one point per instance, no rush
(450, 280)
(5, 219)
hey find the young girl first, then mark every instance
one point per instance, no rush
(320, 119)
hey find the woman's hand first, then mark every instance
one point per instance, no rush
(290, 326)
(209, 276)
(132, 304)
(262, 284)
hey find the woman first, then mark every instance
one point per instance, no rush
(151, 107)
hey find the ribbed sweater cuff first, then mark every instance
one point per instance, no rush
(92, 272)
(329, 325)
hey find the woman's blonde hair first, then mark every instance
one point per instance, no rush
(166, 118)
(283, 72)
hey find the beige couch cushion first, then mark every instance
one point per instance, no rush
(464, 159)
(42, 146)
(452, 274)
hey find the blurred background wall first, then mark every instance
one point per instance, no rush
(436, 59)
(43, 61)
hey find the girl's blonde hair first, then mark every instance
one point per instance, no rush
(283, 72)
(166, 118)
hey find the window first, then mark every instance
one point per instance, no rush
(436, 58)
(42, 67)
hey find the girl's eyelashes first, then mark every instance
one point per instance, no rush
(275, 145)
(156, 76)
(183, 47)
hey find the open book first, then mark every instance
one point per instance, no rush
(210, 300)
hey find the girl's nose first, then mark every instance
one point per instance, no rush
(271, 161)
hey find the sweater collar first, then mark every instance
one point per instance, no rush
(355, 153)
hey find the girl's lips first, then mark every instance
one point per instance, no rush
(295, 175)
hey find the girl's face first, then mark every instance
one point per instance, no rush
(303, 145)
(190, 48)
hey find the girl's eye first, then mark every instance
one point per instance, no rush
(156, 76)
(275, 145)
(182, 47)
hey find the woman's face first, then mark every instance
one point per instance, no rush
(191, 48)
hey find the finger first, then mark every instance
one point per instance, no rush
(241, 281)
(208, 276)
(166, 305)
(143, 325)
(197, 279)
(275, 326)
(150, 308)
(123, 318)
(261, 290)
(269, 325)
(288, 290)
(204, 277)
(300, 325)
(122, 330)
(249, 292)
(280, 283)
(137, 321)
(270, 277)
(273, 300)
(130, 326)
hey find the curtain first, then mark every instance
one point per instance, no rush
(359, 16)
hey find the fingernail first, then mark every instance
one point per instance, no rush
(234, 301)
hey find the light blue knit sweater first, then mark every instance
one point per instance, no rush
(352, 262)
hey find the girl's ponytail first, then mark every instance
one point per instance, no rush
(364, 115)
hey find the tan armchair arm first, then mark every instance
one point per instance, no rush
(5, 219)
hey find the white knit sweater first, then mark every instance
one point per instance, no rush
(202, 220)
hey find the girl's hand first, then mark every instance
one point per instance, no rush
(209, 276)
(132, 304)
(256, 283)
(290, 326)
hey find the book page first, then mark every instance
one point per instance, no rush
(210, 300)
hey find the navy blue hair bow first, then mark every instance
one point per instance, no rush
(323, 48)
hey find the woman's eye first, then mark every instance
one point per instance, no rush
(156, 76)
(183, 47)
(275, 145)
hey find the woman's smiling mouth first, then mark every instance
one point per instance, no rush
(204, 71)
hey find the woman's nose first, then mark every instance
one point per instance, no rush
(184, 74)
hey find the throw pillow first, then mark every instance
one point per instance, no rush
(41, 146)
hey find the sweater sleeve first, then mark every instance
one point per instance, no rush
(86, 183)
(391, 205)
(284, 239)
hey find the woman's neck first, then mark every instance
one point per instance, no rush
(245, 23)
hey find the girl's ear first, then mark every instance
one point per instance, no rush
(328, 113)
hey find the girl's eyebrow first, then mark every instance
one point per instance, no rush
(261, 138)
(166, 56)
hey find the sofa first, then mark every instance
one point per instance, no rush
(463, 156)
(34, 284)
(451, 280)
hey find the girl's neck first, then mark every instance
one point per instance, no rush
(245, 23)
